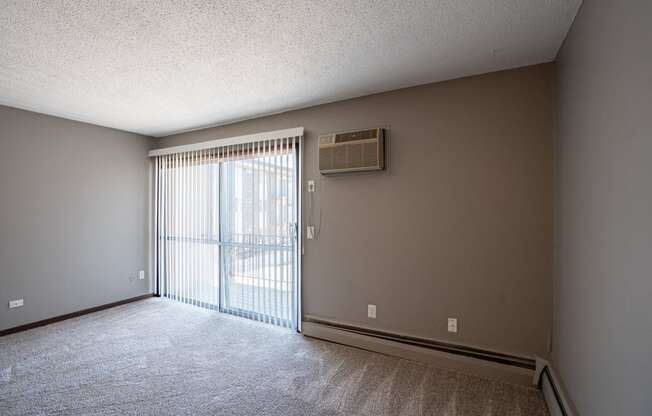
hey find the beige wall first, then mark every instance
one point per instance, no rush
(603, 286)
(460, 225)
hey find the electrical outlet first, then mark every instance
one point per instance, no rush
(310, 232)
(141, 275)
(371, 311)
(16, 303)
(452, 324)
(311, 186)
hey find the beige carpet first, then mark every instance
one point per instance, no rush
(159, 357)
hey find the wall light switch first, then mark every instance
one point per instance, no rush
(15, 303)
(371, 311)
(452, 324)
(141, 275)
(310, 232)
(311, 186)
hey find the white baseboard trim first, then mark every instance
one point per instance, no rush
(553, 392)
(448, 360)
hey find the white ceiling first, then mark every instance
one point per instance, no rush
(158, 67)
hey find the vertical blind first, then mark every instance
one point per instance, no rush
(226, 228)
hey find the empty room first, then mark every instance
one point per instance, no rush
(326, 208)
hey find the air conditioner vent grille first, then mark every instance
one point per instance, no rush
(356, 135)
(353, 151)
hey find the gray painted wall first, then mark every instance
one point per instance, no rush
(603, 285)
(459, 226)
(73, 215)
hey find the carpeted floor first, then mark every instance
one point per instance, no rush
(159, 357)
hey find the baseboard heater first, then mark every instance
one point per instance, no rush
(553, 394)
(492, 356)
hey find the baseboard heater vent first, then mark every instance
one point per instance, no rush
(552, 391)
(462, 350)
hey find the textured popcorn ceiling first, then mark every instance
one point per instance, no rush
(158, 67)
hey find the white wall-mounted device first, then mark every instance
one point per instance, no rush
(371, 311)
(452, 324)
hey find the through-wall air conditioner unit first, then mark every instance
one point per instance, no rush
(352, 151)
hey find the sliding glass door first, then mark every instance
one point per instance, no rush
(258, 236)
(226, 224)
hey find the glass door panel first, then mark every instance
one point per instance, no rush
(258, 217)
